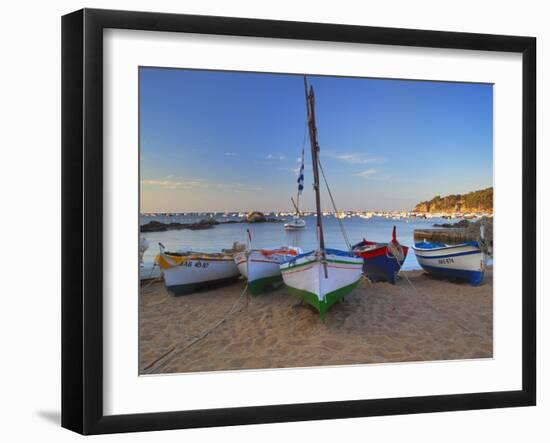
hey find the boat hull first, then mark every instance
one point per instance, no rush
(240, 259)
(461, 262)
(295, 224)
(260, 268)
(381, 265)
(195, 274)
(291, 227)
(305, 277)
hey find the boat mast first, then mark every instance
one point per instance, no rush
(300, 182)
(310, 101)
(295, 206)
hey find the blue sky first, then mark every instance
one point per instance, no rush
(212, 140)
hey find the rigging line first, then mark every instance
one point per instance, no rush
(344, 234)
(305, 135)
(297, 204)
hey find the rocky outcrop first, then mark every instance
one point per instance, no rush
(206, 223)
(255, 217)
(460, 224)
(258, 217)
(153, 226)
(156, 226)
(459, 232)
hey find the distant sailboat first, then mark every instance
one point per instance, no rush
(323, 276)
(298, 222)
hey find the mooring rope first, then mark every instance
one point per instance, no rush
(344, 233)
(395, 250)
(482, 241)
(172, 353)
(151, 279)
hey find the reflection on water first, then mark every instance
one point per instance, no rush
(273, 234)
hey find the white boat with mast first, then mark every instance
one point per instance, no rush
(323, 276)
(297, 221)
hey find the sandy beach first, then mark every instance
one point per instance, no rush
(377, 323)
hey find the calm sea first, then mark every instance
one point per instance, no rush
(274, 235)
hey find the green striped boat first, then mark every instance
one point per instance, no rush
(305, 277)
(324, 276)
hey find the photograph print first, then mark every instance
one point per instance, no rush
(296, 220)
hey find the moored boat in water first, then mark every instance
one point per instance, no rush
(381, 261)
(297, 221)
(190, 271)
(465, 261)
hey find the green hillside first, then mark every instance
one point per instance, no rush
(476, 201)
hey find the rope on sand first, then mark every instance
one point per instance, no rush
(151, 279)
(149, 283)
(173, 352)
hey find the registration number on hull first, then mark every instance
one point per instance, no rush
(445, 261)
(196, 264)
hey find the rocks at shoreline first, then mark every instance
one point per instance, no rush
(259, 217)
(206, 223)
(462, 231)
(460, 224)
(442, 235)
(156, 226)
(255, 217)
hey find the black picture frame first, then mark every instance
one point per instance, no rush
(82, 220)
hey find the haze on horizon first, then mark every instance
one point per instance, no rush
(231, 141)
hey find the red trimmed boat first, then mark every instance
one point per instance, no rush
(381, 261)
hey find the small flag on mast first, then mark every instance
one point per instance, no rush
(301, 175)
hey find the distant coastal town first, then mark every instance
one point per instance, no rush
(471, 206)
(465, 213)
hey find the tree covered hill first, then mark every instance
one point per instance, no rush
(476, 201)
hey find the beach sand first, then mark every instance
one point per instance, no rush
(377, 323)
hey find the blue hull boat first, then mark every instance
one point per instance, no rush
(379, 261)
(465, 261)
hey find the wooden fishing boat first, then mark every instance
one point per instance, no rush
(324, 276)
(261, 267)
(190, 271)
(381, 261)
(321, 278)
(465, 261)
(240, 257)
